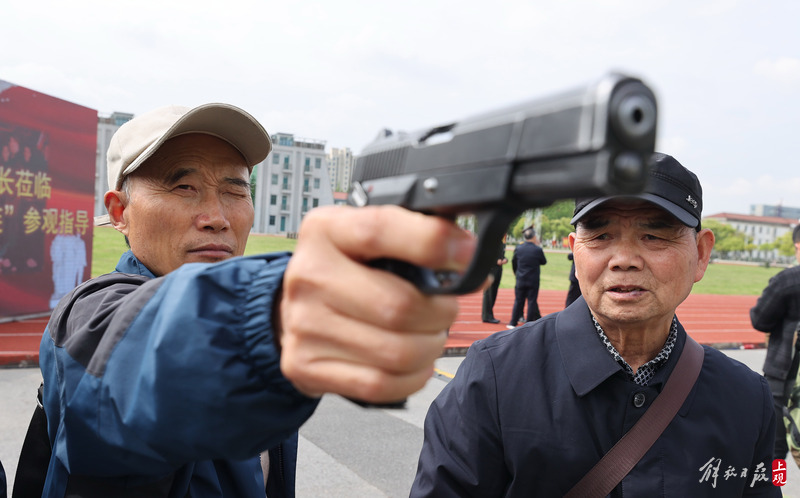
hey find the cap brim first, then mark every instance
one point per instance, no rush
(683, 216)
(224, 121)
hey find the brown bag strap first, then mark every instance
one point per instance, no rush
(620, 459)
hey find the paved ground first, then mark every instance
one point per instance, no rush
(348, 451)
(345, 451)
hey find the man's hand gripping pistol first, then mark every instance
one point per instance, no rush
(596, 140)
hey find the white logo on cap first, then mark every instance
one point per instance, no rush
(691, 201)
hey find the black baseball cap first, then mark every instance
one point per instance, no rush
(671, 187)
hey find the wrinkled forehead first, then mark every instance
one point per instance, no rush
(194, 154)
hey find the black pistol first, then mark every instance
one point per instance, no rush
(595, 140)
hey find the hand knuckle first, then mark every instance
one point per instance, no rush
(398, 356)
(366, 229)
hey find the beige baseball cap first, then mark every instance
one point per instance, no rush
(139, 138)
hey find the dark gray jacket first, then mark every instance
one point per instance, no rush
(777, 312)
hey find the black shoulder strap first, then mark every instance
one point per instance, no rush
(624, 455)
(34, 458)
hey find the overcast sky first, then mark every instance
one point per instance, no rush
(726, 72)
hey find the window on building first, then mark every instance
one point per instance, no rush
(318, 163)
(283, 223)
(273, 200)
(316, 182)
(274, 179)
(276, 159)
(285, 183)
(272, 221)
(308, 161)
(286, 162)
(314, 202)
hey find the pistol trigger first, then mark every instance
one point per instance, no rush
(358, 196)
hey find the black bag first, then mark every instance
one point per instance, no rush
(34, 459)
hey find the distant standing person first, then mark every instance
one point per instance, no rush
(527, 259)
(574, 291)
(490, 294)
(777, 312)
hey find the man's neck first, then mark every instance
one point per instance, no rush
(637, 345)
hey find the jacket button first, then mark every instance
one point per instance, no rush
(638, 400)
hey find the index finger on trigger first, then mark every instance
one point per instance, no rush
(392, 232)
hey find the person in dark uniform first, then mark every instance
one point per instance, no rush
(526, 262)
(777, 313)
(490, 294)
(574, 291)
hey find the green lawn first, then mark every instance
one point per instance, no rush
(110, 244)
(726, 279)
(719, 279)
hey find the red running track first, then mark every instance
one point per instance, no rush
(721, 321)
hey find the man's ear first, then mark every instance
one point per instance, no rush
(116, 202)
(705, 244)
(572, 250)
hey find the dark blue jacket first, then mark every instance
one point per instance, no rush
(170, 386)
(526, 263)
(530, 411)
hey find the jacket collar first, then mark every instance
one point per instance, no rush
(586, 360)
(128, 263)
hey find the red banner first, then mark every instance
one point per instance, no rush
(47, 170)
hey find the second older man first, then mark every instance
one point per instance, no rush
(532, 410)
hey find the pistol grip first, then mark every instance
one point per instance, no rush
(425, 279)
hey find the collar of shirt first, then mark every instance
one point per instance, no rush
(643, 375)
(128, 263)
(586, 362)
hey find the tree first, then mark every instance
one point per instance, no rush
(727, 238)
(783, 244)
(553, 221)
(555, 229)
(560, 209)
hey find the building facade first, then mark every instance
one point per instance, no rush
(760, 229)
(289, 183)
(106, 127)
(340, 169)
(778, 211)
